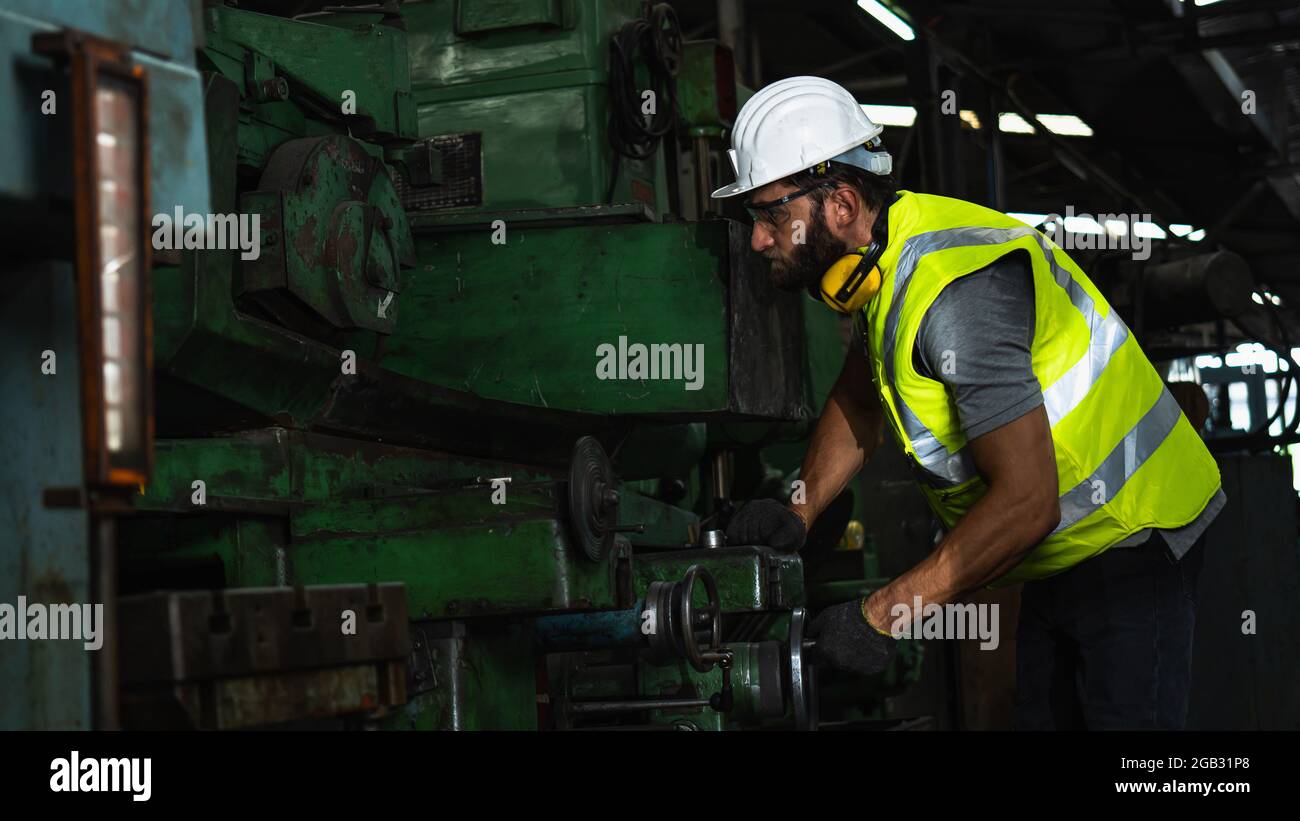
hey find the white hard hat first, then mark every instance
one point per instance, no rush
(794, 124)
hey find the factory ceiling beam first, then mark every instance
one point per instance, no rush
(1097, 174)
(1035, 12)
(887, 81)
(840, 65)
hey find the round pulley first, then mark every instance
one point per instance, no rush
(803, 680)
(593, 499)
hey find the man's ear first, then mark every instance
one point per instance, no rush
(845, 206)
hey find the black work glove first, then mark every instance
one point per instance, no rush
(767, 522)
(847, 641)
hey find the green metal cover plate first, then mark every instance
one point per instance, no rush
(478, 16)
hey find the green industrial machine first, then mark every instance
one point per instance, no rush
(480, 389)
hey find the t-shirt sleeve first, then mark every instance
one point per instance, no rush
(976, 339)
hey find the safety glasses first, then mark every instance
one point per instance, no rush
(765, 212)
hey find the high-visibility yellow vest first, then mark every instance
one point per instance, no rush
(1126, 457)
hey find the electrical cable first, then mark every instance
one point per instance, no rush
(657, 37)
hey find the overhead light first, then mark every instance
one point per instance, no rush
(887, 18)
(110, 137)
(1114, 227)
(1032, 220)
(1064, 125)
(1179, 229)
(900, 115)
(1149, 229)
(1012, 123)
(1083, 225)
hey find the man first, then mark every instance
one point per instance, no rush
(1041, 435)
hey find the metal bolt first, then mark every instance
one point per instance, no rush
(276, 88)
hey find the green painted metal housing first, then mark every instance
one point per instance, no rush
(488, 362)
(533, 79)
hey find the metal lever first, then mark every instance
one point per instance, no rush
(723, 700)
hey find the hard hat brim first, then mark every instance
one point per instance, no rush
(733, 189)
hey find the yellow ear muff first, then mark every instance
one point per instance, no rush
(850, 283)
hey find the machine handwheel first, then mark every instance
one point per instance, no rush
(711, 616)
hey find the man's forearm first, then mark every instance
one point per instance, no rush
(989, 541)
(1019, 509)
(845, 436)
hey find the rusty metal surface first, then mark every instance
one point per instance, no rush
(197, 636)
(336, 238)
(366, 690)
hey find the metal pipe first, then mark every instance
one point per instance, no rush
(572, 632)
(731, 31)
(703, 183)
(722, 475)
(105, 680)
(636, 705)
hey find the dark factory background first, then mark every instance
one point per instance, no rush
(372, 474)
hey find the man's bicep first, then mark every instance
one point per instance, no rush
(855, 378)
(1018, 463)
(1019, 456)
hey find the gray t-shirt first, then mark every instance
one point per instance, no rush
(976, 339)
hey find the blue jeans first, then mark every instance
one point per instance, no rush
(1108, 643)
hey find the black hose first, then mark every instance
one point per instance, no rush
(657, 37)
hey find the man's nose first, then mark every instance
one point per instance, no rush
(760, 239)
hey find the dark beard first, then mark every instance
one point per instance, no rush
(819, 252)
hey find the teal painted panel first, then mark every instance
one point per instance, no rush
(44, 551)
(177, 149)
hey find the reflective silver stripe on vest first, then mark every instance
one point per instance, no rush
(1105, 336)
(1131, 453)
(945, 467)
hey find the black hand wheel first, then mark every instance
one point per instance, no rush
(710, 616)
